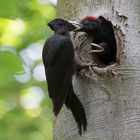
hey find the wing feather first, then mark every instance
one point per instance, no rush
(58, 55)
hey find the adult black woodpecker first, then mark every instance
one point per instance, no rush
(60, 66)
(104, 43)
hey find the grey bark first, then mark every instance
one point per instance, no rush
(112, 103)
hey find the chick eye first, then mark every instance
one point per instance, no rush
(86, 22)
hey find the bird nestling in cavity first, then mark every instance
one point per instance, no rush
(104, 43)
(60, 66)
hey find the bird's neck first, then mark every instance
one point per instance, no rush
(63, 32)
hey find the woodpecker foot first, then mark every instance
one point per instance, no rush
(81, 69)
(89, 66)
(109, 70)
(84, 66)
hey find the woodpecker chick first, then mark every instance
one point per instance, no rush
(59, 63)
(104, 43)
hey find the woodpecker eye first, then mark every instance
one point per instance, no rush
(85, 22)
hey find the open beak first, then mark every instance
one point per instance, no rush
(76, 24)
(97, 47)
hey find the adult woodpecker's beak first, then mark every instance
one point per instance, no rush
(76, 24)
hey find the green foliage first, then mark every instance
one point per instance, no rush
(11, 66)
(25, 108)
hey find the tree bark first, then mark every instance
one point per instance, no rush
(112, 103)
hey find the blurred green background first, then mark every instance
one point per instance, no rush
(25, 108)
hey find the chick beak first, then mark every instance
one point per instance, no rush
(97, 48)
(77, 25)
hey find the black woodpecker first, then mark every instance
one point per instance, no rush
(59, 62)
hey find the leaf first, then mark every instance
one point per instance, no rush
(8, 8)
(10, 63)
(14, 8)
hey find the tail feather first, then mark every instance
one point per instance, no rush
(77, 119)
(73, 103)
(81, 110)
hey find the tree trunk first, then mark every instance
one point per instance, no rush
(112, 104)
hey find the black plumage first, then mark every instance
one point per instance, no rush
(103, 35)
(59, 63)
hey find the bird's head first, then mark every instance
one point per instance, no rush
(88, 24)
(61, 26)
